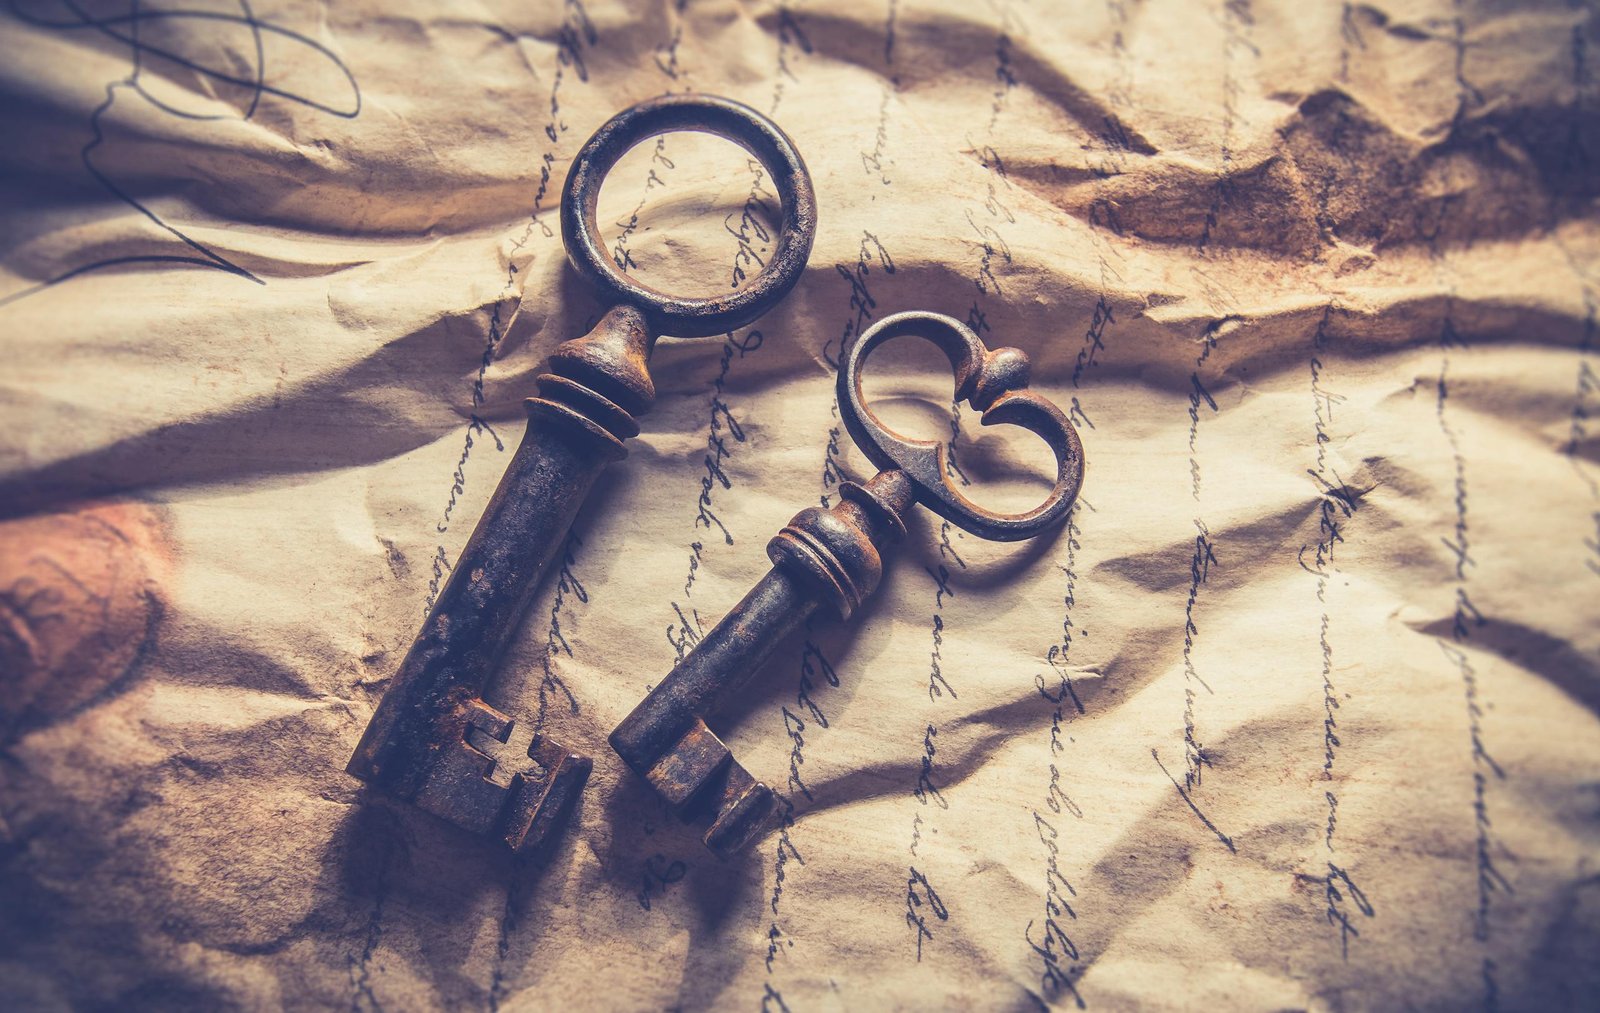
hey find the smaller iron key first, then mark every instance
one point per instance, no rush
(833, 559)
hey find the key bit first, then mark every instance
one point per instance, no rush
(489, 782)
(832, 559)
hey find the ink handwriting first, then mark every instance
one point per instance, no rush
(928, 898)
(187, 47)
(658, 874)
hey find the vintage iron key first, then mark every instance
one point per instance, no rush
(433, 740)
(832, 558)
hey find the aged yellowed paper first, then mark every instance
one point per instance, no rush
(1299, 711)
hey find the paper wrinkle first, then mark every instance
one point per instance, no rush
(1301, 711)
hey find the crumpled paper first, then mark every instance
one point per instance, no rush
(1299, 711)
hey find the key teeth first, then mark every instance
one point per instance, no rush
(458, 787)
(537, 808)
(741, 820)
(693, 762)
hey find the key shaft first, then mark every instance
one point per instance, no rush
(828, 559)
(417, 745)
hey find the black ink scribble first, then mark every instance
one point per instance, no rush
(124, 28)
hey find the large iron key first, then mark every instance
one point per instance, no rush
(433, 740)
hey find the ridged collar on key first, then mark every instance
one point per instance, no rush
(995, 384)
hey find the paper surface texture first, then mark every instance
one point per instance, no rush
(1300, 711)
